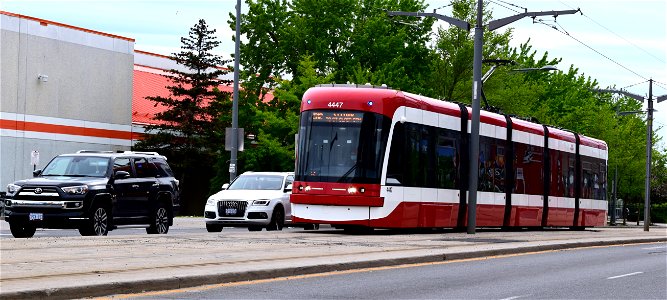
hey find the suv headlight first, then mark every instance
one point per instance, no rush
(261, 202)
(76, 190)
(12, 189)
(210, 201)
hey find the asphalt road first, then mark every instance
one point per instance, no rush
(612, 272)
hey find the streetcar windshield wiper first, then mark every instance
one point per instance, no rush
(344, 176)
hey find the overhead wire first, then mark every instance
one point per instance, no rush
(441, 7)
(629, 86)
(512, 4)
(617, 35)
(565, 32)
(661, 84)
(496, 3)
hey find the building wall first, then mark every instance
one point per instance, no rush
(85, 103)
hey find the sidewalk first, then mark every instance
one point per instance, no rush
(77, 267)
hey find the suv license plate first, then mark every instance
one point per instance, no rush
(36, 216)
(230, 211)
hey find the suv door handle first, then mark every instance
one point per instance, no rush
(156, 184)
(135, 186)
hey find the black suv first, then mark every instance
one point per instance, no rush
(95, 191)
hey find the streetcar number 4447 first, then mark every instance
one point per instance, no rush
(335, 104)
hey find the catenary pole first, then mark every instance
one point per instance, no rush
(649, 150)
(612, 218)
(235, 100)
(649, 142)
(473, 172)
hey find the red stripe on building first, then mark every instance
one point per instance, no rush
(64, 129)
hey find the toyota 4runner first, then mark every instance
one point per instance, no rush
(94, 192)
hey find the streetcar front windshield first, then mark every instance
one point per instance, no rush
(341, 146)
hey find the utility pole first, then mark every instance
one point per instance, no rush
(477, 86)
(649, 154)
(235, 100)
(649, 141)
(614, 188)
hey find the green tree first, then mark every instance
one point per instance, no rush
(659, 176)
(353, 40)
(451, 69)
(274, 124)
(190, 129)
(341, 40)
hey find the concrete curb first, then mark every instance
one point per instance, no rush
(177, 282)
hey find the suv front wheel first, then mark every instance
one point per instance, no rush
(213, 227)
(159, 222)
(22, 229)
(97, 223)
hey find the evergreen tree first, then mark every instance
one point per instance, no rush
(190, 129)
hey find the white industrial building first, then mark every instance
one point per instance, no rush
(65, 88)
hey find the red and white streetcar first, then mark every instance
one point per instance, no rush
(381, 158)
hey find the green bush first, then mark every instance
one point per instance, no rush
(659, 213)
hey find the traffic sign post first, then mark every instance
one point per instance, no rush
(34, 159)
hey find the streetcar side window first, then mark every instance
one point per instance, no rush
(491, 164)
(529, 175)
(427, 156)
(602, 180)
(413, 169)
(424, 156)
(396, 156)
(448, 158)
(594, 176)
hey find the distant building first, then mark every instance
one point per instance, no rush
(65, 88)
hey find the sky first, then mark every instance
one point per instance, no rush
(619, 43)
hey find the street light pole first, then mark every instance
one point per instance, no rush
(649, 150)
(473, 172)
(649, 142)
(235, 100)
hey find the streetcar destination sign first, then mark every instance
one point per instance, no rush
(338, 117)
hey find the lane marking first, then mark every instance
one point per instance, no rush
(514, 297)
(624, 275)
(656, 247)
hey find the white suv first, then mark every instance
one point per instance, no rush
(254, 199)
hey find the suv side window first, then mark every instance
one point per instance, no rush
(122, 164)
(163, 169)
(144, 168)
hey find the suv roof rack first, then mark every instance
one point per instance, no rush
(142, 152)
(145, 153)
(94, 151)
